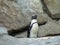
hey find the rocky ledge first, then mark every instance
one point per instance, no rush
(8, 40)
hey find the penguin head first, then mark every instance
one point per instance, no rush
(34, 17)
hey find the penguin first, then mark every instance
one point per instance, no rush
(33, 29)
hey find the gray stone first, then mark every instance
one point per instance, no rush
(21, 35)
(14, 15)
(54, 7)
(3, 31)
(50, 28)
(8, 40)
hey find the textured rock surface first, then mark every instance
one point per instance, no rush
(3, 31)
(10, 15)
(49, 28)
(8, 40)
(14, 15)
(21, 35)
(54, 8)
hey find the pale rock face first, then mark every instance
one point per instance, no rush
(14, 15)
(34, 29)
(3, 30)
(49, 28)
(54, 7)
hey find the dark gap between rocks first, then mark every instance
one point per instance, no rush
(53, 35)
(14, 32)
(45, 8)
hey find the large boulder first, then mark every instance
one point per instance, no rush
(16, 14)
(51, 28)
(54, 7)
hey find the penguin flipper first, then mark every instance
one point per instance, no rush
(28, 31)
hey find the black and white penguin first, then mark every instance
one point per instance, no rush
(33, 29)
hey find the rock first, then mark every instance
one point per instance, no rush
(43, 18)
(16, 15)
(8, 40)
(51, 28)
(3, 31)
(21, 35)
(10, 16)
(33, 8)
(58, 22)
(54, 8)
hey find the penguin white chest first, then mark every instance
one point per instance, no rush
(34, 30)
